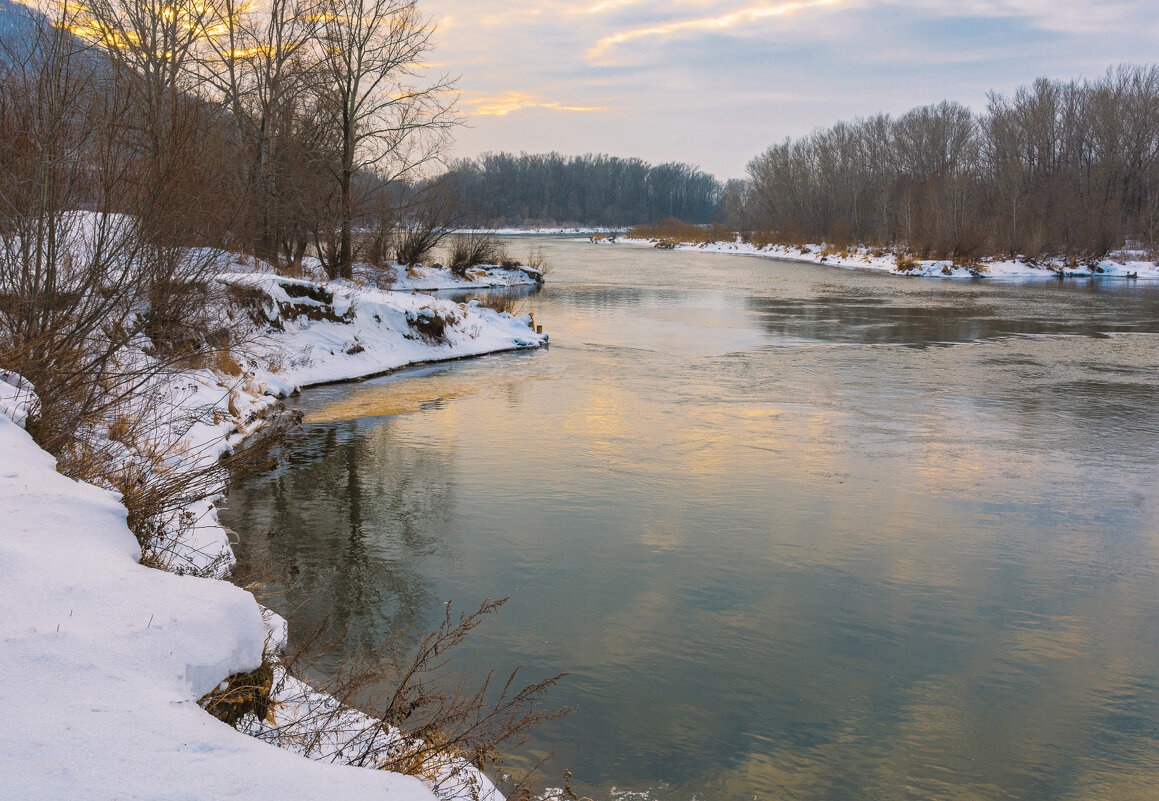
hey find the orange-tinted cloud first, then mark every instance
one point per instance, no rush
(504, 104)
(718, 22)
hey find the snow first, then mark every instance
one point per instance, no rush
(394, 276)
(16, 397)
(379, 337)
(1127, 265)
(543, 231)
(104, 658)
(435, 278)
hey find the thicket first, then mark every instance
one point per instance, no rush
(1057, 168)
(599, 190)
(107, 190)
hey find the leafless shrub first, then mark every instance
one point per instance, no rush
(161, 477)
(430, 214)
(413, 718)
(474, 249)
(509, 302)
(538, 264)
(414, 244)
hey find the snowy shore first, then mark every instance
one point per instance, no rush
(1127, 265)
(436, 278)
(107, 658)
(544, 231)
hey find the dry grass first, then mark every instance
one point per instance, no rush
(243, 694)
(681, 232)
(432, 324)
(509, 302)
(224, 362)
(906, 263)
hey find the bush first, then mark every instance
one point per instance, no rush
(396, 710)
(413, 246)
(509, 302)
(537, 262)
(474, 249)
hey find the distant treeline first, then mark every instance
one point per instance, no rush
(1059, 167)
(509, 189)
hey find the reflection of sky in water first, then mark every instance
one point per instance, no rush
(780, 559)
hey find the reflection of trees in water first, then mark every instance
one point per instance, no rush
(960, 314)
(354, 515)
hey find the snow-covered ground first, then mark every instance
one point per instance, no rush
(436, 278)
(365, 331)
(1130, 265)
(105, 659)
(543, 231)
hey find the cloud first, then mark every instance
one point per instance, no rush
(718, 22)
(515, 101)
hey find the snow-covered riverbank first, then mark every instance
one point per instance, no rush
(105, 658)
(341, 331)
(1126, 265)
(544, 230)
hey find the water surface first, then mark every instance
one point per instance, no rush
(797, 532)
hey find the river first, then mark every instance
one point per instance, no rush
(796, 532)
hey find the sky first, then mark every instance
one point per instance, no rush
(715, 82)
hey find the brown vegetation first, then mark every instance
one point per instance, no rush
(509, 302)
(431, 324)
(413, 717)
(680, 232)
(475, 249)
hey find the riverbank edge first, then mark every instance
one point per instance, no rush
(882, 261)
(241, 410)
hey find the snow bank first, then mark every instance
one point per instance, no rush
(1129, 266)
(543, 231)
(104, 660)
(437, 278)
(340, 331)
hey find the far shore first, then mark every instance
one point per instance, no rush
(1124, 264)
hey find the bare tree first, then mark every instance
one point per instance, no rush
(264, 66)
(384, 119)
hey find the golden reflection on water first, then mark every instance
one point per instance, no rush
(409, 395)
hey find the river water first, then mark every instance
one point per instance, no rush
(795, 531)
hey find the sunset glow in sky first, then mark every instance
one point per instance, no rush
(714, 82)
